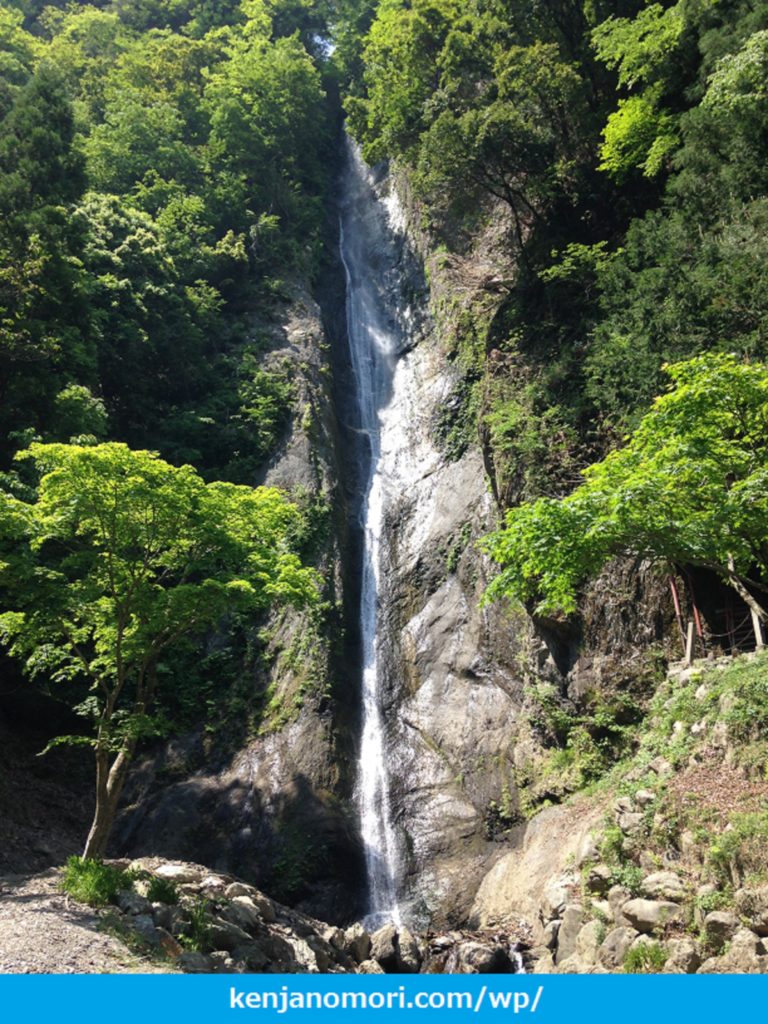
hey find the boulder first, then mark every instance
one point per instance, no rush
(572, 923)
(684, 956)
(144, 924)
(384, 948)
(599, 879)
(222, 963)
(752, 904)
(357, 943)
(409, 954)
(194, 963)
(243, 912)
(181, 874)
(238, 889)
(745, 955)
(369, 967)
(664, 885)
(555, 896)
(163, 916)
(617, 897)
(720, 926)
(645, 797)
(550, 935)
(223, 934)
(614, 947)
(648, 916)
(631, 823)
(131, 903)
(588, 941)
(478, 958)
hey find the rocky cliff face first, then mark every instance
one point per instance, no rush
(270, 798)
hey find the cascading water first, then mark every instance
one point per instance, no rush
(374, 341)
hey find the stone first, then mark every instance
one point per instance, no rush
(163, 916)
(131, 903)
(222, 962)
(617, 897)
(572, 923)
(602, 910)
(664, 885)
(334, 937)
(631, 823)
(720, 926)
(243, 912)
(238, 889)
(587, 852)
(623, 805)
(213, 883)
(555, 896)
(478, 958)
(649, 916)
(542, 961)
(369, 967)
(745, 955)
(615, 946)
(144, 924)
(409, 954)
(588, 941)
(599, 879)
(691, 848)
(252, 955)
(683, 957)
(194, 963)
(549, 940)
(169, 945)
(357, 943)
(180, 873)
(264, 905)
(645, 797)
(660, 766)
(752, 905)
(384, 948)
(223, 934)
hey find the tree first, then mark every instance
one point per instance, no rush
(689, 488)
(118, 559)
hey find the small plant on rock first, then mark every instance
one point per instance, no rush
(161, 890)
(648, 958)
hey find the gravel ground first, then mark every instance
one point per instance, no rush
(43, 931)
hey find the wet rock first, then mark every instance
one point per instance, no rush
(572, 923)
(649, 916)
(357, 943)
(664, 885)
(615, 946)
(478, 958)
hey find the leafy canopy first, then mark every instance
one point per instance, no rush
(688, 487)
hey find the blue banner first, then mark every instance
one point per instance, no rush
(231, 999)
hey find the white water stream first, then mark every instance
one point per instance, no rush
(374, 340)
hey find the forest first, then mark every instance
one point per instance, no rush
(170, 179)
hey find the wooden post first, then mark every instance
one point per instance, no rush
(678, 613)
(689, 642)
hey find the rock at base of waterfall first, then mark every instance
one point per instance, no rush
(384, 948)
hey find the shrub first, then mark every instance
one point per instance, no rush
(161, 890)
(93, 882)
(648, 958)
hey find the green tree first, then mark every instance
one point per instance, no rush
(119, 558)
(689, 488)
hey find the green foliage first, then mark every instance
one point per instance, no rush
(195, 933)
(93, 882)
(739, 852)
(648, 958)
(123, 557)
(685, 488)
(162, 890)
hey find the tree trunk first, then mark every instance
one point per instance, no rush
(109, 786)
(759, 615)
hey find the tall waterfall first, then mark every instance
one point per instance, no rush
(374, 339)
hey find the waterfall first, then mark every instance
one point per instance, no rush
(374, 340)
